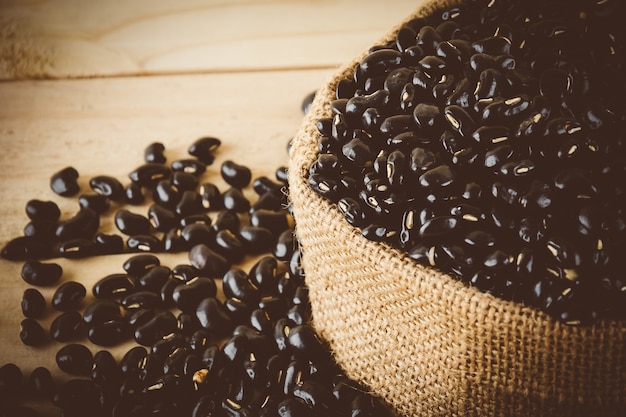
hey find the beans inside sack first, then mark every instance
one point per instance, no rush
(487, 141)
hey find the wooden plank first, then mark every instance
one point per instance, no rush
(102, 126)
(73, 38)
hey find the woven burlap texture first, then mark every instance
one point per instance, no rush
(427, 344)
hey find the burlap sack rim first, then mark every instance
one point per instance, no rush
(487, 309)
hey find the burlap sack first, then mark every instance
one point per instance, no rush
(429, 345)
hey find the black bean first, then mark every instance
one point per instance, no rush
(175, 361)
(315, 395)
(261, 321)
(440, 176)
(236, 283)
(211, 197)
(532, 230)
(299, 314)
(130, 362)
(131, 223)
(75, 359)
(166, 194)
(576, 183)
(238, 310)
(31, 332)
(68, 296)
(462, 95)
(325, 187)
(351, 210)
(459, 120)
(107, 186)
(304, 341)
(199, 340)
(154, 152)
(168, 344)
(196, 233)
(432, 66)
(233, 199)
(154, 278)
(187, 296)
(102, 311)
(497, 156)
(160, 218)
(84, 224)
(285, 245)
(275, 221)
(140, 299)
(235, 175)
(114, 285)
(204, 149)
(105, 370)
(264, 274)
(184, 272)
(405, 38)
(140, 316)
(33, 303)
(364, 404)
(172, 241)
(185, 181)
(156, 328)
(67, 326)
(256, 240)
(108, 244)
(506, 192)
(40, 210)
(439, 226)
(97, 202)
(307, 101)
(43, 231)
(494, 45)
(149, 174)
(212, 316)
(77, 248)
(380, 62)
(137, 265)
(208, 262)
(428, 39)
(65, 182)
(357, 151)
(110, 333)
(130, 387)
(205, 406)
(188, 324)
(41, 384)
(555, 83)
(77, 397)
(189, 166)
(190, 203)
(10, 383)
(192, 219)
(133, 194)
(268, 201)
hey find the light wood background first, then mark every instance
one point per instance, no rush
(91, 83)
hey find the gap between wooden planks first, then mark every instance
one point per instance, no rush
(74, 38)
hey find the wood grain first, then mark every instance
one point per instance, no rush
(75, 38)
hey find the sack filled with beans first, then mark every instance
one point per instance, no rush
(459, 192)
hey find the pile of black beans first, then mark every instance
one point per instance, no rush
(247, 350)
(488, 141)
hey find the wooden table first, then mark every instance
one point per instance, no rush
(91, 84)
